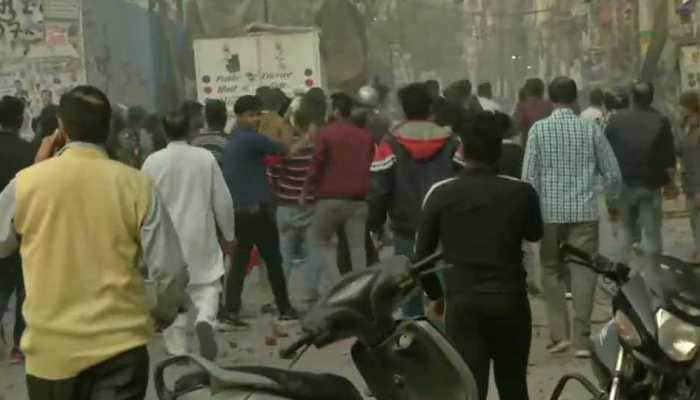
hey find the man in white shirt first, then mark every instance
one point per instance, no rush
(595, 112)
(194, 190)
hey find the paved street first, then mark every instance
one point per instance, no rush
(544, 370)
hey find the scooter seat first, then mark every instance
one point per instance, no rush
(293, 385)
(305, 385)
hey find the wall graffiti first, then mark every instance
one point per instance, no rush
(40, 49)
(21, 20)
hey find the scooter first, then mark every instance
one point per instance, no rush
(649, 350)
(399, 360)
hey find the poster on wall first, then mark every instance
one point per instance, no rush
(230, 68)
(28, 78)
(41, 49)
(690, 68)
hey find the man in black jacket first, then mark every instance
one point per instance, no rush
(642, 140)
(481, 219)
(407, 163)
(16, 154)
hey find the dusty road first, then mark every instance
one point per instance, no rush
(544, 369)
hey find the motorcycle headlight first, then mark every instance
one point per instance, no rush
(677, 338)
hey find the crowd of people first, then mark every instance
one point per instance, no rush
(317, 184)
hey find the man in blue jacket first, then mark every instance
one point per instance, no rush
(244, 169)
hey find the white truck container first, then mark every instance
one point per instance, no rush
(229, 68)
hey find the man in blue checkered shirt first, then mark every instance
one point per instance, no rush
(565, 160)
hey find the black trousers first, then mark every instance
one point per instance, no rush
(12, 281)
(124, 377)
(257, 228)
(496, 328)
(343, 253)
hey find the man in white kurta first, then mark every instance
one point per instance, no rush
(193, 188)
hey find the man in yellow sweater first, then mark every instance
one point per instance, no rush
(86, 223)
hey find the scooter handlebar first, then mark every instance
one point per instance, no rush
(598, 263)
(290, 351)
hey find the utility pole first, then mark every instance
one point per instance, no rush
(266, 4)
(502, 57)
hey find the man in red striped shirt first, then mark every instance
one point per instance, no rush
(287, 176)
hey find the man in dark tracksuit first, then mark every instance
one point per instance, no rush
(407, 163)
(16, 154)
(481, 220)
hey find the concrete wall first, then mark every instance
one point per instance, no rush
(127, 54)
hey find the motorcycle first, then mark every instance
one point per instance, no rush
(399, 360)
(649, 350)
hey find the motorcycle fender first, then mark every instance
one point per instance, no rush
(606, 345)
